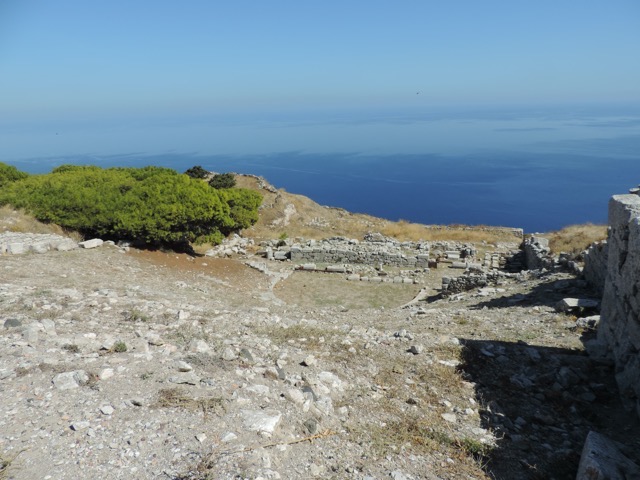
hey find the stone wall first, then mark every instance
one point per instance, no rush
(619, 331)
(18, 243)
(595, 265)
(536, 253)
(345, 254)
(374, 249)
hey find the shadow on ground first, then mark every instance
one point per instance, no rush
(548, 293)
(541, 402)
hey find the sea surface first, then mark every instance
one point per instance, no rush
(537, 169)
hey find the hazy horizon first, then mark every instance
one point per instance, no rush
(517, 91)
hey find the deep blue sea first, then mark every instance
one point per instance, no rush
(537, 170)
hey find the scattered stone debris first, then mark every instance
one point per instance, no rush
(120, 365)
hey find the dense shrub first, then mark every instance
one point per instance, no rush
(243, 205)
(151, 204)
(197, 172)
(9, 174)
(223, 180)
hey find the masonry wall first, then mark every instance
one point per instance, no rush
(355, 255)
(595, 265)
(619, 331)
(536, 253)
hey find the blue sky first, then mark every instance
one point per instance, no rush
(117, 76)
(75, 56)
(471, 82)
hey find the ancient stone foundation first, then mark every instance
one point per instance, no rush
(619, 332)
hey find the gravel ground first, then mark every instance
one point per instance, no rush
(144, 365)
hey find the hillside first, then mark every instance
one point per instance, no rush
(299, 216)
(121, 363)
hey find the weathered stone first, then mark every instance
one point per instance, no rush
(262, 421)
(186, 378)
(107, 410)
(449, 417)
(228, 437)
(309, 360)
(77, 426)
(602, 460)
(30, 334)
(17, 248)
(588, 322)
(335, 269)
(106, 373)
(228, 354)
(70, 380)
(570, 304)
(198, 346)
(12, 323)
(154, 339)
(183, 366)
(93, 243)
(6, 373)
(294, 395)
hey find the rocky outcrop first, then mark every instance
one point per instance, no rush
(619, 332)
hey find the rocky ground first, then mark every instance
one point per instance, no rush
(130, 364)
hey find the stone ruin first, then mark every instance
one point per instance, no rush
(617, 262)
(374, 249)
(16, 243)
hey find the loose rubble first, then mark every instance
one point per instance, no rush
(150, 365)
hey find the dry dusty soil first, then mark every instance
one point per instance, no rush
(139, 365)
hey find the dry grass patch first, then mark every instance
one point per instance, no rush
(312, 220)
(18, 221)
(178, 398)
(6, 462)
(406, 231)
(408, 418)
(314, 290)
(576, 238)
(309, 336)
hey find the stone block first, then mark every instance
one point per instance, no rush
(93, 243)
(17, 248)
(570, 304)
(602, 460)
(280, 255)
(336, 269)
(40, 247)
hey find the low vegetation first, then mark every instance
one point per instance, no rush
(151, 205)
(576, 238)
(179, 398)
(197, 172)
(223, 180)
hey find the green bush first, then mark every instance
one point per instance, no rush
(223, 180)
(243, 205)
(197, 172)
(10, 174)
(152, 205)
